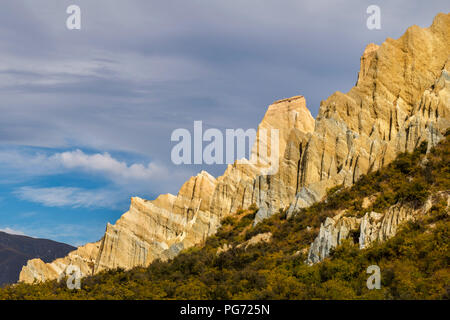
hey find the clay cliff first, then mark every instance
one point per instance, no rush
(401, 98)
(163, 227)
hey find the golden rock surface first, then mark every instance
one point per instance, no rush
(401, 98)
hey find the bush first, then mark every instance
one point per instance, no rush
(414, 263)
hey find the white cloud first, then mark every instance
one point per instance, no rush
(123, 179)
(68, 197)
(12, 231)
(107, 165)
(98, 163)
(27, 163)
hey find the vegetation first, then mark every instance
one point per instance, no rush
(414, 264)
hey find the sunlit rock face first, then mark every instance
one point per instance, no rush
(161, 228)
(152, 229)
(84, 257)
(401, 98)
(243, 185)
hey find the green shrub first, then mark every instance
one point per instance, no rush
(414, 263)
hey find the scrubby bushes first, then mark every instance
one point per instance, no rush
(414, 264)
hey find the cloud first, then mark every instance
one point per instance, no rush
(140, 69)
(12, 231)
(68, 197)
(106, 182)
(35, 163)
(108, 166)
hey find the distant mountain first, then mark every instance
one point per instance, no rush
(16, 250)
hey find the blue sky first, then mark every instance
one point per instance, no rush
(86, 115)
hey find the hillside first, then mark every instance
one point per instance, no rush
(270, 261)
(401, 99)
(16, 250)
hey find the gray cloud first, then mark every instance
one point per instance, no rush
(69, 197)
(139, 69)
(121, 179)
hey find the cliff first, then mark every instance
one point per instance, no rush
(401, 99)
(373, 227)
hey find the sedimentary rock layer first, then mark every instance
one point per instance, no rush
(401, 98)
(372, 227)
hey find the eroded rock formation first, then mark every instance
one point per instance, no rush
(372, 227)
(401, 98)
(84, 257)
(163, 227)
(331, 234)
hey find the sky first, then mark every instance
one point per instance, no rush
(86, 115)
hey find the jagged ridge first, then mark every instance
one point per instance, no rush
(267, 261)
(401, 99)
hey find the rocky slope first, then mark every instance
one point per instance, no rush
(401, 98)
(83, 257)
(163, 227)
(408, 198)
(372, 227)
